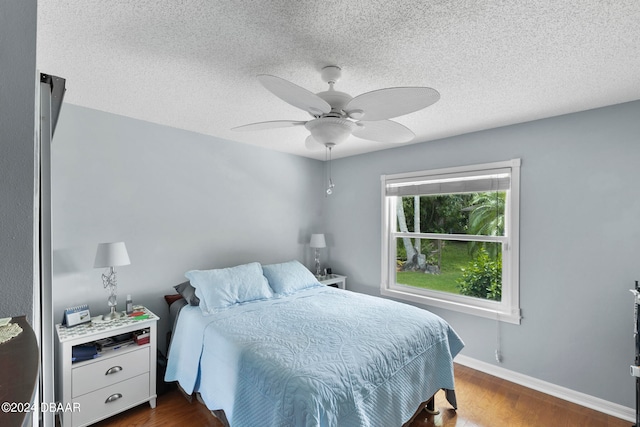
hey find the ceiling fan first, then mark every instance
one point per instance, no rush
(337, 115)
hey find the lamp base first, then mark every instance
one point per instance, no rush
(317, 263)
(113, 314)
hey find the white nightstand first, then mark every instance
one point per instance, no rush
(120, 378)
(335, 280)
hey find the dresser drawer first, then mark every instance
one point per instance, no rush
(103, 373)
(110, 400)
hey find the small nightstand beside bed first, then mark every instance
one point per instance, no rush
(270, 346)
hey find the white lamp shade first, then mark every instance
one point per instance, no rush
(317, 241)
(111, 255)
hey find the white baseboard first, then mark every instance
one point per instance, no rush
(582, 399)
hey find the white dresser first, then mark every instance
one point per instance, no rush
(123, 376)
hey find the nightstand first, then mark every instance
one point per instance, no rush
(121, 377)
(335, 280)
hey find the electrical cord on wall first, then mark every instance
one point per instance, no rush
(498, 350)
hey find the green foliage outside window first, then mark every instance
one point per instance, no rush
(481, 214)
(439, 214)
(483, 277)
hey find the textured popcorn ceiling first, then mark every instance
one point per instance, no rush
(192, 64)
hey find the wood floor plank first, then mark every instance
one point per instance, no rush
(483, 401)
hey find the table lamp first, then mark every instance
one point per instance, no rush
(317, 242)
(111, 255)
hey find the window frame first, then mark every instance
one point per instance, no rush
(508, 309)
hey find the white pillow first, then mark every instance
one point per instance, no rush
(289, 277)
(224, 287)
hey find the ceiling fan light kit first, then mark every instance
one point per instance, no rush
(330, 130)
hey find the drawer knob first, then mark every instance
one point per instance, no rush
(113, 370)
(113, 397)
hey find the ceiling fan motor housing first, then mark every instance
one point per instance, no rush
(338, 101)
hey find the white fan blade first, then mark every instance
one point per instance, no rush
(391, 102)
(383, 131)
(312, 144)
(295, 95)
(268, 125)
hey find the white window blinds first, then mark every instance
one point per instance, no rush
(489, 180)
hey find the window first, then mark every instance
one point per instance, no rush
(450, 238)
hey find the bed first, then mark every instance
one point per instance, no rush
(297, 353)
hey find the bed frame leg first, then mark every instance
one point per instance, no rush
(430, 407)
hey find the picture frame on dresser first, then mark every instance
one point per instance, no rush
(74, 316)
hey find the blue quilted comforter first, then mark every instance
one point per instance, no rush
(321, 357)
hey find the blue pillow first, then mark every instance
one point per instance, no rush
(289, 277)
(224, 287)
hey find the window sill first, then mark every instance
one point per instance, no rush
(489, 313)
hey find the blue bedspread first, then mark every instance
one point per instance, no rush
(321, 357)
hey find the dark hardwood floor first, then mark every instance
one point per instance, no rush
(483, 400)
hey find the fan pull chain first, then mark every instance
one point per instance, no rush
(331, 184)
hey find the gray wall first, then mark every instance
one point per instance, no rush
(182, 200)
(179, 200)
(17, 103)
(580, 242)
